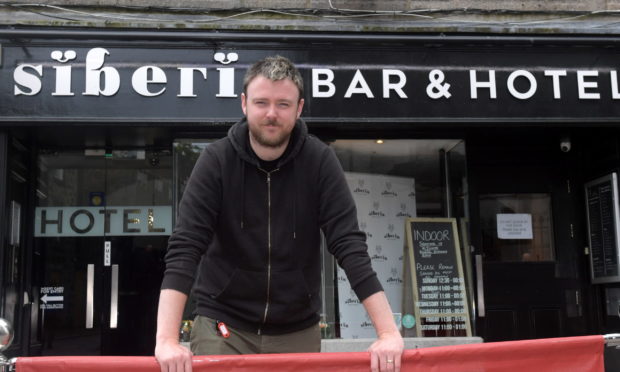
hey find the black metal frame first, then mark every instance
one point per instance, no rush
(439, 38)
(3, 210)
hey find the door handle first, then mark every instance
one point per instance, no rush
(114, 298)
(90, 287)
(480, 286)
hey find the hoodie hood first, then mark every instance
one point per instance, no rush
(239, 136)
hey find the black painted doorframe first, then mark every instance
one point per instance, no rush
(530, 160)
(3, 209)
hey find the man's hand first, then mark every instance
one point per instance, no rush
(172, 356)
(386, 352)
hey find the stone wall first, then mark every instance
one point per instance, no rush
(368, 5)
(369, 16)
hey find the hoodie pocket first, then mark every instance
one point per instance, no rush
(243, 293)
(290, 298)
(241, 284)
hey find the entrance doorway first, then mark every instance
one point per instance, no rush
(101, 225)
(532, 272)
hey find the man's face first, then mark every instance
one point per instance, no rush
(271, 107)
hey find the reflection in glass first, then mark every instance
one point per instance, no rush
(185, 154)
(100, 182)
(392, 180)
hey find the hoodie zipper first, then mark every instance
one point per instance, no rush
(268, 247)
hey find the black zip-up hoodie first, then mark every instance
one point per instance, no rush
(254, 235)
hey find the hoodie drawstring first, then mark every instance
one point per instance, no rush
(295, 200)
(242, 192)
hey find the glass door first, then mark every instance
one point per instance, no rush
(101, 226)
(139, 198)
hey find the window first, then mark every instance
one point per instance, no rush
(392, 180)
(517, 227)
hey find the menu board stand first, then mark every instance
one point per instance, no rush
(603, 228)
(434, 278)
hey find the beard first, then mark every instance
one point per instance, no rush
(269, 141)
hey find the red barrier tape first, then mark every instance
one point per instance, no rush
(571, 354)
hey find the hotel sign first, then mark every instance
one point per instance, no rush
(99, 82)
(102, 221)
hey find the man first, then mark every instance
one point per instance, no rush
(249, 222)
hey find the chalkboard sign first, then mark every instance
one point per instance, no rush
(436, 278)
(603, 229)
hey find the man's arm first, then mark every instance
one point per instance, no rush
(338, 220)
(385, 353)
(172, 357)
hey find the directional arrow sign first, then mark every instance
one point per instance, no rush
(47, 298)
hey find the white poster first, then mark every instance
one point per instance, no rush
(514, 226)
(383, 202)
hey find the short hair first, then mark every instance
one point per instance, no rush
(274, 68)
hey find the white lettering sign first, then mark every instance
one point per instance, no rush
(227, 82)
(358, 86)
(555, 75)
(146, 75)
(395, 86)
(530, 78)
(27, 80)
(475, 84)
(95, 71)
(101, 75)
(101, 80)
(584, 85)
(103, 221)
(186, 88)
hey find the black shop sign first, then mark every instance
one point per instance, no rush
(107, 80)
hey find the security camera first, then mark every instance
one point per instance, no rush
(565, 144)
(154, 160)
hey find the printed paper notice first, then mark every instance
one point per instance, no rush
(514, 226)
